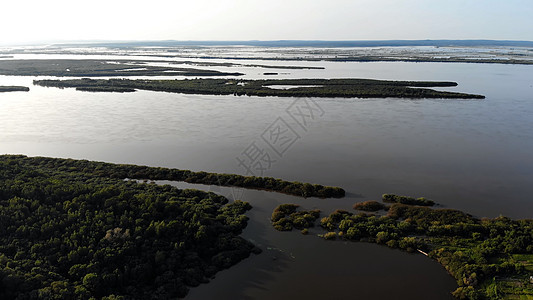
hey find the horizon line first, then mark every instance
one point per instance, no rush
(379, 42)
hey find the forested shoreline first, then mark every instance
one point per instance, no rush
(70, 234)
(489, 258)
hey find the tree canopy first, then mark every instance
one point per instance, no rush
(66, 233)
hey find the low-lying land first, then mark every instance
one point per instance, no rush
(66, 233)
(489, 258)
(121, 171)
(379, 58)
(436, 59)
(228, 64)
(96, 68)
(345, 88)
(14, 89)
(105, 89)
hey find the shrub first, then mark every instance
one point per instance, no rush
(391, 198)
(369, 206)
(330, 235)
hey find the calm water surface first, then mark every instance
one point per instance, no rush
(473, 155)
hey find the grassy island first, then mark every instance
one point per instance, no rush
(96, 68)
(14, 89)
(340, 88)
(489, 258)
(66, 233)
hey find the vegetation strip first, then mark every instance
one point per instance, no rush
(340, 88)
(391, 198)
(121, 171)
(228, 64)
(489, 258)
(375, 58)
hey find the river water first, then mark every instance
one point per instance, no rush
(473, 155)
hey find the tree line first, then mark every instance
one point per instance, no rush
(123, 171)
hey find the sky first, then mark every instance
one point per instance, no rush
(25, 21)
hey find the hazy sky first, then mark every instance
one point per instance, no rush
(23, 21)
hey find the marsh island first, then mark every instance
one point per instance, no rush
(331, 88)
(14, 89)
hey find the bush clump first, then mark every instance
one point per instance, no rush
(285, 218)
(391, 198)
(369, 206)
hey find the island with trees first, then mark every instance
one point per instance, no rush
(329, 88)
(14, 89)
(70, 234)
(489, 258)
(286, 217)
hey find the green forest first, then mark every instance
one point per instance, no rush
(77, 229)
(489, 258)
(70, 234)
(331, 88)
